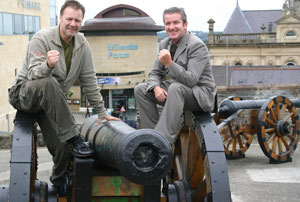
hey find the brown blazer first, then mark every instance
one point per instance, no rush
(191, 67)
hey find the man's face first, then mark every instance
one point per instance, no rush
(174, 26)
(70, 23)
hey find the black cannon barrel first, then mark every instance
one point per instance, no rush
(229, 106)
(296, 102)
(143, 156)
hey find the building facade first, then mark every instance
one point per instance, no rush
(123, 41)
(19, 20)
(265, 41)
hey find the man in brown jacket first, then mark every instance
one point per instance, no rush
(57, 57)
(181, 78)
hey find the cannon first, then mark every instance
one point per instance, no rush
(275, 121)
(127, 165)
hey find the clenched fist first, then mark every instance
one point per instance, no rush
(165, 58)
(52, 58)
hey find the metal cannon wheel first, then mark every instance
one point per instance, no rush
(199, 171)
(278, 129)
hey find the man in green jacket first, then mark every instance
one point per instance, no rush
(57, 57)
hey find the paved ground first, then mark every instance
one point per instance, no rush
(252, 179)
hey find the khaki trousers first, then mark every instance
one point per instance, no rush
(45, 98)
(169, 123)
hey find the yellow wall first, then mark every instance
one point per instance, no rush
(12, 53)
(255, 56)
(141, 59)
(16, 6)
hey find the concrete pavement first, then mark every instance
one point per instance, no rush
(252, 179)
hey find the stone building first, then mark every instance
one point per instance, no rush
(123, 41)
(19, 20)
(258, 47)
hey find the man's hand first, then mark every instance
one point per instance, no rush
(108, 118)
(160, 93)
(164, 57)
(52, 58)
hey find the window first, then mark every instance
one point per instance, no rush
(53, 14)
(37, 24)
(52, 2)
(19, 25)
(128, 12)
(238, 64)
(8, 25)
(1, 23)
(291, 63)
(30, 24)
(290, 33)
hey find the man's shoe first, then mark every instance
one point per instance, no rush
(79, 148)
(63, 184)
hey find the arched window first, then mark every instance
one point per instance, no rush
(290, 33)
(238, 64)
(291, 63)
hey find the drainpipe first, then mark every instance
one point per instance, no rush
(8, 124)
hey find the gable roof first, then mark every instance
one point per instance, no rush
(289, 16)
(251, 21)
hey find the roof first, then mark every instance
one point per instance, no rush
(123, 18)
(251, 21)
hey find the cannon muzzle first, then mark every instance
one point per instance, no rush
(142, 156)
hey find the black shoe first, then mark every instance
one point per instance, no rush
(79, 148)
(63, 184)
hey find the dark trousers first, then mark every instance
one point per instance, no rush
(45, 98)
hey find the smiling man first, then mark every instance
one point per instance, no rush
(180, 79)
(57, 57)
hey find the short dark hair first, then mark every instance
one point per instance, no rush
(73, 4)
(175, 10)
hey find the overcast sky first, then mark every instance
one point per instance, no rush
(198, 11)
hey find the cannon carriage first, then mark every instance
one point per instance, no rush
(128, 165)
(275, 121)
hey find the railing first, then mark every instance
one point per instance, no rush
(244, 38)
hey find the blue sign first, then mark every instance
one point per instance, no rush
(113, 80)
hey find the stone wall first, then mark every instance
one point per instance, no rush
(5, 141)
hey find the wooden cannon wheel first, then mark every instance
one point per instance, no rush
(188, 167)
(236, 137)
(195, 172)
(278, 129)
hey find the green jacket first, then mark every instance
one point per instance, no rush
(82, 67)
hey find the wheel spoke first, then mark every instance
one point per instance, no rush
(184, 153)
(288, 116)
(240, 142)
(280, 146)
(277, 110)
(283, 108)
(269, 130)
(234, 145)
(269, 121)
(270, 137)
(178, 166)
(285, 144)
(228, 144)
(274, 143)
(292, 138)
(273, 116)
(245, 136)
